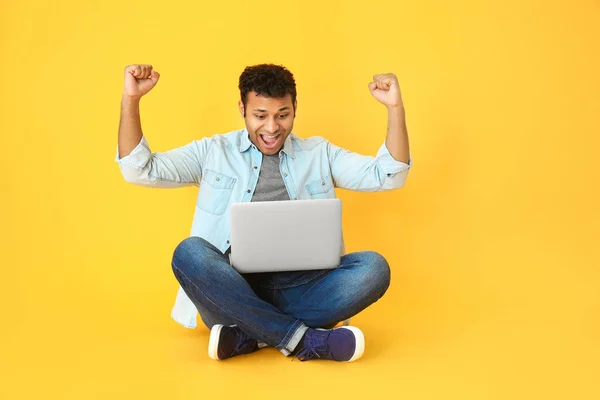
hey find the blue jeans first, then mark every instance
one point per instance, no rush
(277, 308)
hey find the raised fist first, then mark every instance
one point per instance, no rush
(139, 80)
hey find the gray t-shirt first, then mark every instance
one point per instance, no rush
(270, 186)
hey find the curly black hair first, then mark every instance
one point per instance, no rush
(267, 80)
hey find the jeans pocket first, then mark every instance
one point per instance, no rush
(215, 192)
(319, 188)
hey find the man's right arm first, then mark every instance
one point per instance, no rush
(130, 125)
(174, 168)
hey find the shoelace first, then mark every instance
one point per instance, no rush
(315, 346)
(244, 342)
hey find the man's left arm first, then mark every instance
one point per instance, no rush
(389, 168)
(386, 90)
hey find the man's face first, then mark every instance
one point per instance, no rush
(268, 116)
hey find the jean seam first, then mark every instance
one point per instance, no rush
(279, 346)
(283, 345)
(213, 303)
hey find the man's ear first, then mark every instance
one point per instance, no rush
(295, 107)
(241, 107)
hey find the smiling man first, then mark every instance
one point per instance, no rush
(266, 132)
(295, 312)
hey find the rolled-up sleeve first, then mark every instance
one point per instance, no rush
(363, 173)
(170, 169)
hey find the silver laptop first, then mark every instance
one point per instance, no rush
(289, 235)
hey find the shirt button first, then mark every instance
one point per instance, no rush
(284, 174)
(218, 178)
(249, 190)
(323, 183)
(255, 167)
(228, 242)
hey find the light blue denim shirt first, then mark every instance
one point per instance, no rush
(226, 167)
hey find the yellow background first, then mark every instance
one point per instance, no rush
(493, 241)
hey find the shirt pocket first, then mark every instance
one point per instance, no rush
(319, 188)
(215, 191)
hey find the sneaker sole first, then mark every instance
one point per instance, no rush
(359, 350)
(213, 342)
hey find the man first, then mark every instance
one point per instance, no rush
(291, 311)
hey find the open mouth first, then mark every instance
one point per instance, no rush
(269, 141)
